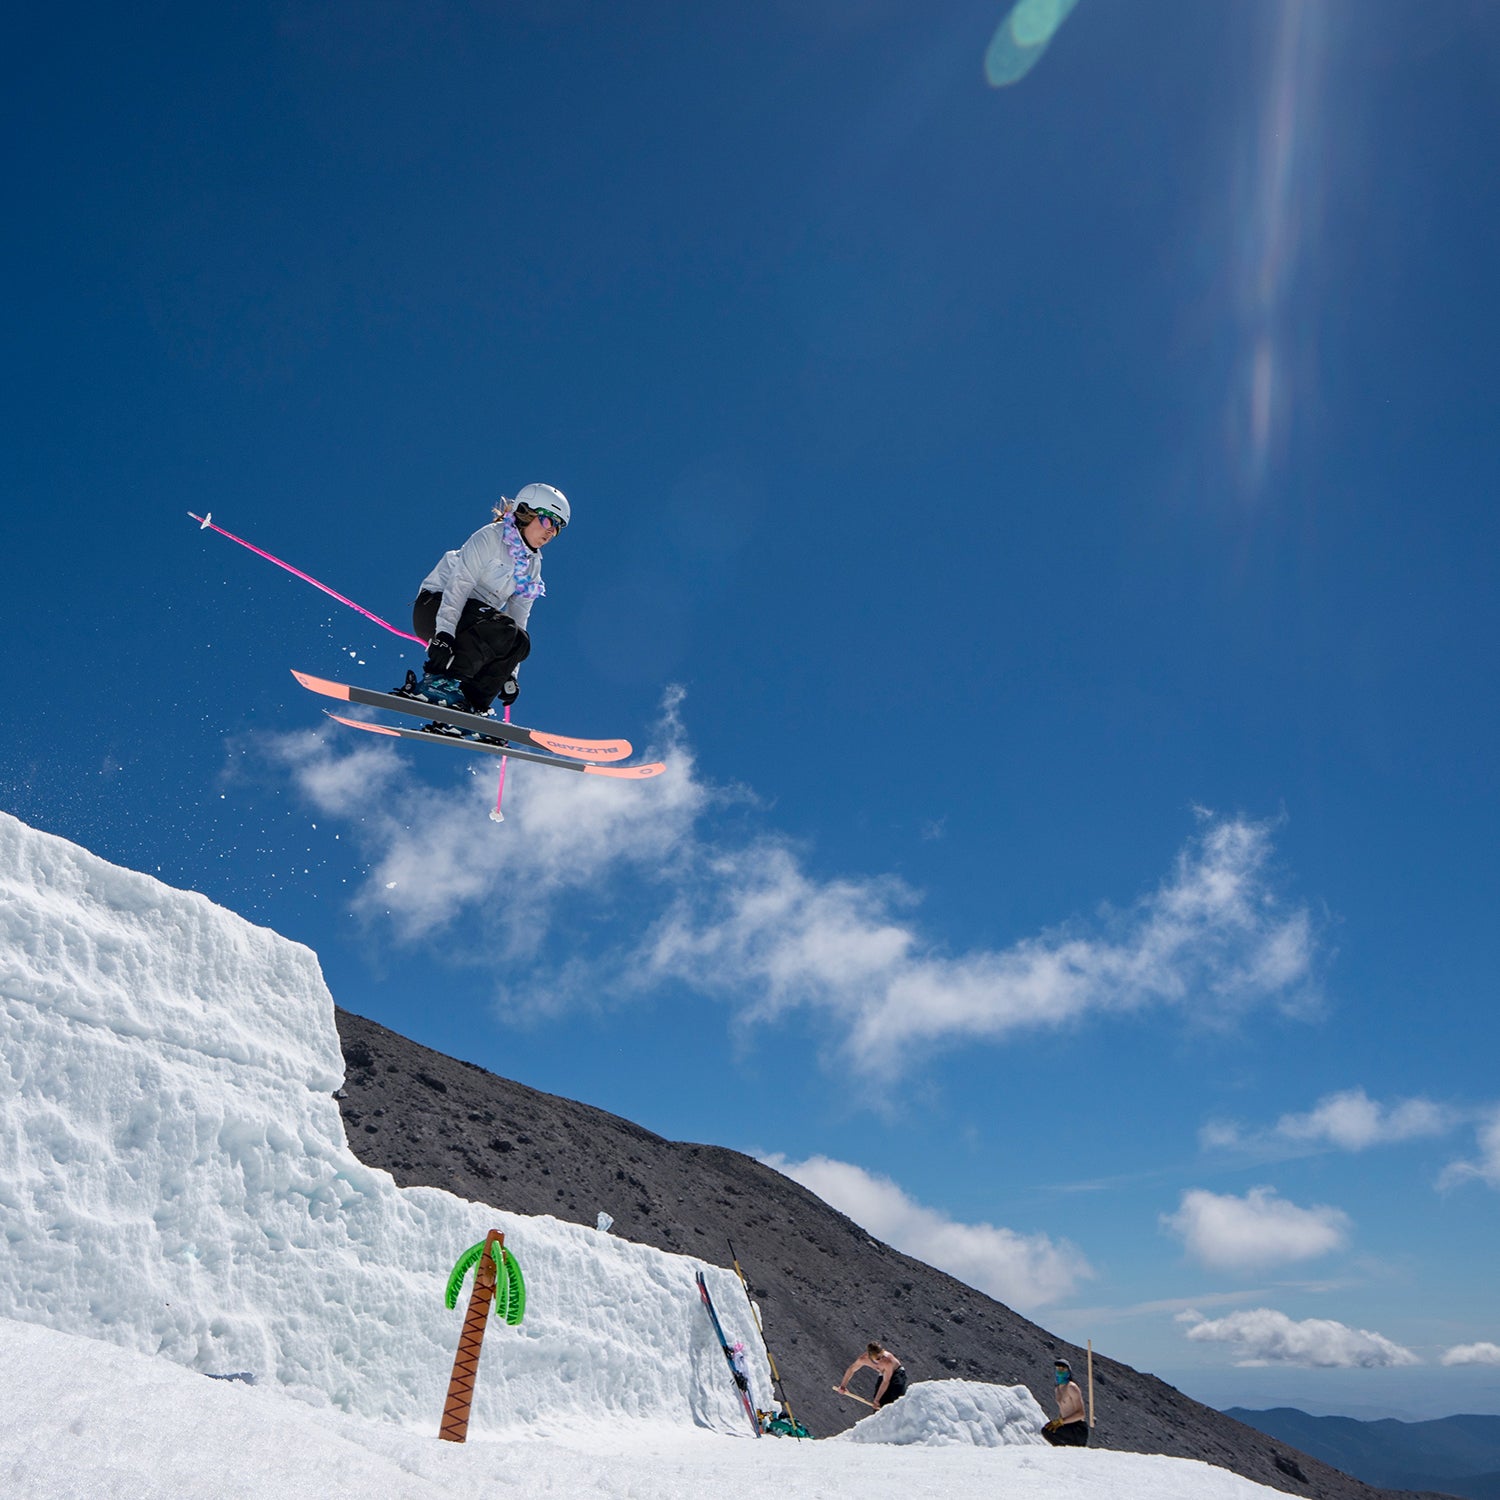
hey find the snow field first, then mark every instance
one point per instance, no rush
(88, 1420)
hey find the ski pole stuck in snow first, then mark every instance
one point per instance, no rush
(776, 1383)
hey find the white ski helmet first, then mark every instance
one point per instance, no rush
(545, 497)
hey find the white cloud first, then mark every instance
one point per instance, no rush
(1021, 1270)
(1089, 1317)
(1353, 1121)
(1472, 1354)
(1256, 1231)
(1222, 1135)
(437, 855)
(747, 921)
(1212, 935)
(1266, 1337)
(341, 785)
(1487, 1167)
(1348, 1121)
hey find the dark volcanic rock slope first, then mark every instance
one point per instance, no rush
(823, 1285)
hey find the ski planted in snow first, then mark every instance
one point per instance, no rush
(741, 1380)
(621, 773)
(537, 739)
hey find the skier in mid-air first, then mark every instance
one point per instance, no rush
(473, 607)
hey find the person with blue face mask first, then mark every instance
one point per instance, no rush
(1070, 1428)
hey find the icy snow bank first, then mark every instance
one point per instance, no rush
(945, 1412)
(174, 1178)
(86, 1419)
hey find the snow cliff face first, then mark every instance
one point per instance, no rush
(174, 1178)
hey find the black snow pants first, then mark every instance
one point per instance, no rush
(1069, 1435)
(490, 646)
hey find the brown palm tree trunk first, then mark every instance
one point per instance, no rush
(466, 1362)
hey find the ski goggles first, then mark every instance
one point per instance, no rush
(554, 521)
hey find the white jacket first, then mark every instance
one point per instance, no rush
(485, 569)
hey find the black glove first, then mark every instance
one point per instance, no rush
(509, 692)
(441, 650)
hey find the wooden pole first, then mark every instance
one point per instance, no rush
(455, 1425)
(777, 1388)
(863, 1400)
(1091, 1382)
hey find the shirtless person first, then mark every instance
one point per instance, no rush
(1070, 1429)
(887, 1366)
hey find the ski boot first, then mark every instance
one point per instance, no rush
(474, 734)
(430, 689)
(455, 732)
(447, 691)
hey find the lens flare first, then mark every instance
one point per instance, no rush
(1022, 37)
(1278, 207)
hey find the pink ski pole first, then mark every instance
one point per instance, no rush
(497, 816)
(206, 523)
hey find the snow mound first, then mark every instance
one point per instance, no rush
(943, 1413)
(175, 1179)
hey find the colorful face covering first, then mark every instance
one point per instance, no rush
(527, 587)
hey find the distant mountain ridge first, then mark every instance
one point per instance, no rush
(1452, 1455)
(823, 1284)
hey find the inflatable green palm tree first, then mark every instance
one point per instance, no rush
(497, 1280)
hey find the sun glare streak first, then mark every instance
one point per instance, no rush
(1021, 38)
(1277, 210)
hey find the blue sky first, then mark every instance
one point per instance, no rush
(1050, 530)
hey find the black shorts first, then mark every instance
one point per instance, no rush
(1069, 1435)
(897, 1387)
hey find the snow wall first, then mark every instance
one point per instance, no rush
(174, 1178)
